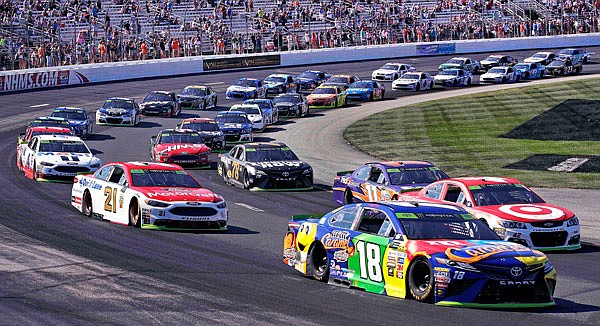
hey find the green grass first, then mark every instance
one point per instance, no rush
(461, 134)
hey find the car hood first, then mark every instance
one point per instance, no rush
(357, 90)
(533, 60)
(190, 97)
(384, 71)
(285, 104)
(306, 80)
(173, 194)
(181, 148)
(488, 252)
(444, 77)
(406, 81)
(272, 85)
(450, 65)
(241, 89)
(114, 111)
(493, 75)
(155, 103)
(279, 165)
(527, 212)
(317, 96)
(67, 158)
(234, 126)
(485, 62)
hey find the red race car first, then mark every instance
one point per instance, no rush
(511, 209)
(180, 146)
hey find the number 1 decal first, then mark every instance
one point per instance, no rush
(370, 261)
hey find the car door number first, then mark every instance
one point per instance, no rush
(370, 261)
(110, 203)
(372, 193)
(235, 171)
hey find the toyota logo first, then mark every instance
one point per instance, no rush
(285, 174)
(516, 271)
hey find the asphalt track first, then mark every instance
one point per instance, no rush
(58, 267)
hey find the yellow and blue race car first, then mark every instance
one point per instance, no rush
(430, 252)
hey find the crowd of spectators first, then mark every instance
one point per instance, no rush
(30, 30)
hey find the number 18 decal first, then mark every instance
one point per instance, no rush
(370, 261)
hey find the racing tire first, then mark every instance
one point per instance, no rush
(456, 82)
(518, 78)
(247, 184)
(135, 214)
(204, 105)
(577, 71)
(345, 102)
(221, 170)
(503, 80)
(307, 112)
(317, 263)
(541, 74)
(468, 81)
(35, 173)
(527, 76)
(371, 97)
(418, 88)
(348, 197)
(215, 103)
(420, 280)
(382, 96)
(86, 204)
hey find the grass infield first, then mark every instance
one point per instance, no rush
(462, 135)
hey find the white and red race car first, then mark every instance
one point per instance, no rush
(149, 195)
(515, 212)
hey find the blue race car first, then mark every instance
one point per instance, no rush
(367, 90)
(531, 70)
(383, 181)
(78, 118)
(427, 251)
(236, 126)
(245, 88)
(280, 84)
(311, 79)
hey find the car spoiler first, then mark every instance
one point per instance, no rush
(304, 217)
(342, 173)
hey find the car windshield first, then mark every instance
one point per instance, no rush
(180, 137)
(200, 126)
(410, 76)
(420, 226)
(337, 80)
(455, 61)
(540, 55)
(245, 83)
(194, 91)
(247, 109)
(492, 59)
(389, 67)
(274, 80)
(449, 72)
(287, 99)
(265, 154)
(566, 51)
(67, 146)
(361, 84)
(503, 194)
(415, 175)
(157, 97)
(261, 103)
(556, 63)
(69, 115)
(497, 71)
(309, 75)
(50, 123)
(232, 118)
(324, 90)
(522, 66)
(118, 104)
(162, 178)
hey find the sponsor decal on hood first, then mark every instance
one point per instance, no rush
(178, 148)
(275, 164)
(179, 194)
(528, 212)
(487, 249)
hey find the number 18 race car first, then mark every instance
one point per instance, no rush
(430, 252)
(149, 195)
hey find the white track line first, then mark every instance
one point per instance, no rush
(39, 105)
(252, 208)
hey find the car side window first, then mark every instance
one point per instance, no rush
(382, 179)
(116, 175)
(104, 173)
(434, 191)
(371, 220)
(233, 151)
(362, 173)
(453, 193)
(344, 218)
(375, 173)
(32, 143)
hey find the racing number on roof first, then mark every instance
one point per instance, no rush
(110, 203)
(370, 261)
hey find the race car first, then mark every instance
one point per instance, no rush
(429, 252)
(391, 71)
(56, 157)
(149, 195)
(576, 55)
(180, 146)
(25, 138)
(563, 67)
(291, 105)
(497, 60)
(51, 122)
(501, 75)
(236, 127)
(327, 97)
(265, 166)
(383, 180)
(209, 131)
(343, 81)
(268, 108)
(413, 81)
(368, 90)
(532, 70)
(310, 79)
(280, 84)
(254, 114)
(78, 118)
(160, 103)
(119, 111)
(197, 97)
(543, 58)
(453, 77)
(511, 209)
(471, 65)
(245, 88)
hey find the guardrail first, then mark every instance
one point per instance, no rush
(28, 79)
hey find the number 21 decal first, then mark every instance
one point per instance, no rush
(370, 261)
(110, 203)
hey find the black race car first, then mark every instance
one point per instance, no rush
(561, 67)
(265, 166)
(160, 103)
(197, 97)
(291, 105)
(311, 79)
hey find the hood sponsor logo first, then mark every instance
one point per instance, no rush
(166, 194)
(477, 253)
(532, 212)
(276, 164)
(182, 146)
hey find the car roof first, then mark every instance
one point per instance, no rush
(419, 207)
(460, 58)
(58, 137)
(196, 86)
(404, 164)
(231, 112)
(180, 131)
(149, 165)
(476, 181)
(279, 75)
(396, 63)
(544, 52)
(197, 120)
(264, 145)
(244, 78)
(342, 75)
(119, 99)
(244, 105)
(496, 55)
(257, 100)
(161, 92)
(69, 108)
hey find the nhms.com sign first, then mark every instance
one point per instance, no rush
(42, 79)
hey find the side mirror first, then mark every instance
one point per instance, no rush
(153, 140)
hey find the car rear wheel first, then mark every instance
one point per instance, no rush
(247, 184)
(36, 174)
(134, 214)
(420, 280)
(86, 203)
(348, 197)
(222, 172)
(317, 263)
